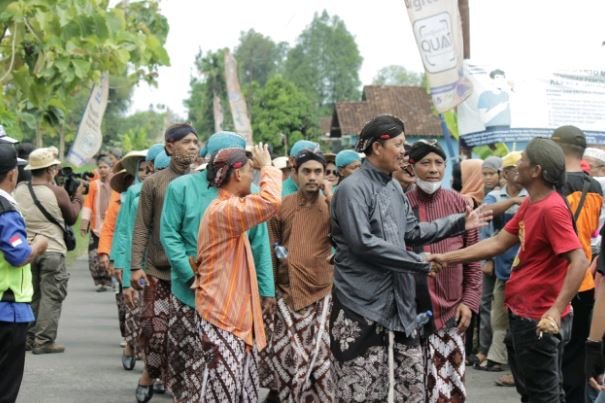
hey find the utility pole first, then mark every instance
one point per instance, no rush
(466, 27)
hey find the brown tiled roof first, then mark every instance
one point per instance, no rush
(411, 104)
(325, 124)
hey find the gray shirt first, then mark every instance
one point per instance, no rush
(374, 273)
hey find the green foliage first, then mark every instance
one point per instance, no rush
(211, 68)
(279, 108)
(397, 75)
(135, 139)
(325, 62)
(56, 48)
(258, 57)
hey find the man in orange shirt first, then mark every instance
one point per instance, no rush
(228, 306)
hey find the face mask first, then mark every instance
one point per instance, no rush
(428, 187)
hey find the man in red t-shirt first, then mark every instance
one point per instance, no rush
(546, 273)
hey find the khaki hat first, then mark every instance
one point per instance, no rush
(121, 181)
(511, 159)
(281, 162)
(41, 158)
(330, 158)
(129, 162)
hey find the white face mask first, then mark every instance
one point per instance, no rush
(428, 187)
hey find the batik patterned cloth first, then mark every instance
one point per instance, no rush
(154, 325)
(231, 373)
(132, 324)
(361, 361)
(184, 348)
(299, 352)
(445, 366)
(98, 274)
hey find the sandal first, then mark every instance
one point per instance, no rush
(144, 393)
(490, 366)
(505, 380)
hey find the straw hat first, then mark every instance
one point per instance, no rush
(121, 181)
(130, 162)
(41, 158)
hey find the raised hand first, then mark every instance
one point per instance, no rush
(261, 156)
(477, 218)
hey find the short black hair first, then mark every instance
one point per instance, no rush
(572, 150)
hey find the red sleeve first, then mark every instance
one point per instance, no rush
(512, 226)
(559, 229)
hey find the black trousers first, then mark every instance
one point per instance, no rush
(574, 380)
(536, 361)
(12, 359)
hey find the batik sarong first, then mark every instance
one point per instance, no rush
(230, 374)
(185, 359)
(373, 364)
(299, 351)
(98, 274)
(132, 324)
(445, 366)
(154, 326)
(265, 371)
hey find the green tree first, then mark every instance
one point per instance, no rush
(325, 62)
(57, 48)
(258, 57)
(397, 75)
(211, 83)
(279, 108)
(135, 139)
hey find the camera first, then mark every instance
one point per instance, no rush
(71, 180)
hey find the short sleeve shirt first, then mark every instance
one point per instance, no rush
(545, 233)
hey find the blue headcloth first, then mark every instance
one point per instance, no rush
(153, 152)
(221, 140)
(301, 145)
(346, 157)
(161, 161)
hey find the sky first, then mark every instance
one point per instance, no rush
(535, 34)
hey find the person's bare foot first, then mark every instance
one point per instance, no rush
(506, 380)
(481, 357)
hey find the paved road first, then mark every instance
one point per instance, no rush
(90, 369)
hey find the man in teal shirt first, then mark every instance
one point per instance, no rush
(185, 202)
(290, 185)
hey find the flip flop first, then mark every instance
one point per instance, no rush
(490, 366)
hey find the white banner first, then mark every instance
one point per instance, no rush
(513, 106)
(89, 137)
(438, 33)
(239, 109)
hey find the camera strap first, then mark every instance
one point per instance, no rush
(44, 212)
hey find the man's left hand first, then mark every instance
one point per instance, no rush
(463, 317)
(477, 218)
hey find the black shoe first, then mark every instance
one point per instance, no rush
(144, 393)
(128, 362)
(158, 387)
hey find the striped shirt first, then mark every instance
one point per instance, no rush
(304, 229)
(226, 286)
(457, 283)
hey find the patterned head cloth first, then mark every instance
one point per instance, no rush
(177, 131)
(383, 127)
(223, 162)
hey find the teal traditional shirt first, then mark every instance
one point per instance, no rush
(124, 230)
(288, 187)
(185, 202)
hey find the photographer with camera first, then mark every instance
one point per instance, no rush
(49, 212)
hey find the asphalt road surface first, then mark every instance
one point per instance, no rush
(90, 369)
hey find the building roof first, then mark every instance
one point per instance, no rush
(411, 104)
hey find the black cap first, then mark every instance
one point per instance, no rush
(8, 157)
(569, 135)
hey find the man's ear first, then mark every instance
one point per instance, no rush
(237, 174)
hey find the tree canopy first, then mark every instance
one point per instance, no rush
(56, 49)
(258, 57)
(397, 75)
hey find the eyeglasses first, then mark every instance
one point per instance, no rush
(331, 172)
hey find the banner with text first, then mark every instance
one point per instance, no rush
(516, 106)
(89, 137)
(438, 32)
(237, 102)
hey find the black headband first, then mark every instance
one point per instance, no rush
(308, 155)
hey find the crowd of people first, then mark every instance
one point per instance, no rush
(355, 277)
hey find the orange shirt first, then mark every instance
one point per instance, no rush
(226, 286)
(109, 224)
(93, 210)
